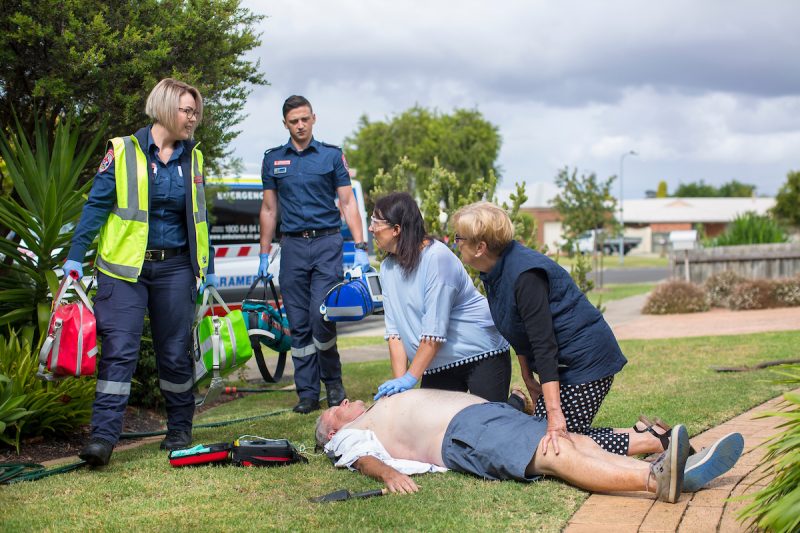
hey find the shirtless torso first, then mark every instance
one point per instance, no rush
(411, 425)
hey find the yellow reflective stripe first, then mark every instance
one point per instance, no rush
(199, 212)
(199, 196)
(135, 163)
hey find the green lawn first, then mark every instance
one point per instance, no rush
(140, 491)
(617, 291)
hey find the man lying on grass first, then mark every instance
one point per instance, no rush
(428, 430)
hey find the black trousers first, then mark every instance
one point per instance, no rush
(488, 378)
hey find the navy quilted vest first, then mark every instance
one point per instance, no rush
(587, 349)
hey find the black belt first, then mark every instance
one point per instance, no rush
(166, 253)
(311, 233)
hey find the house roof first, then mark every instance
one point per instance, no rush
(662, 210)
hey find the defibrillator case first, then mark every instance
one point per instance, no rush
(265, 452)
(202, 454)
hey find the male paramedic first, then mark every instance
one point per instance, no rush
(430, 430)
(304, 177)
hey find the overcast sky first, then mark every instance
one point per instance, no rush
(701, 90)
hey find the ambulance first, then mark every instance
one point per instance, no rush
(234, 204)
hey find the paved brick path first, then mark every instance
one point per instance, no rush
(703, 511)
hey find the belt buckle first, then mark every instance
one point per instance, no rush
(308, 234)
(151, 255)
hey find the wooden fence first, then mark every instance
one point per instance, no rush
(752, 261)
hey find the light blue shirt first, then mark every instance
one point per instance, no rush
(438, 301)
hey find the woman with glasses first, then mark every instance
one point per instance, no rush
(555, 331)
(438, 325)
(148, 204)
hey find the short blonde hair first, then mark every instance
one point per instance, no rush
(164, 100)
(484, 221)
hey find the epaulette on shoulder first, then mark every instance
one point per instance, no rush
(268, 150)
(331, 145)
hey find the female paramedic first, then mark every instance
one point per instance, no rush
(148, 203)
(554, 330)
(435, 318)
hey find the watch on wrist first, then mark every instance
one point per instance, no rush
(361, 246)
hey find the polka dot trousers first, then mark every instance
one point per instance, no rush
(580, 404)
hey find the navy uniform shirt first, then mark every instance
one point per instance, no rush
(306, 184)
(167, 210)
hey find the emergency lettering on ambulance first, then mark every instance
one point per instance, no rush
(235, 204)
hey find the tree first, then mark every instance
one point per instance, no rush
(736, 189)
(787, 201)
(99, 60)
(662, 189)
(446, 193)
(463, 143)
(584, 203)
(698, 189)
(731, 189)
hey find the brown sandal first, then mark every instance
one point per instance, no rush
(660, 424)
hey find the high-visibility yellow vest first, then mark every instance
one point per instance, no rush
(123, 238)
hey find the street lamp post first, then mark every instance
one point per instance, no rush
(621, 214)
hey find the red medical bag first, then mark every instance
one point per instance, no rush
(70, 348)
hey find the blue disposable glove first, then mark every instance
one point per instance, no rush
(73, 266)
(393, 386)
(360, 258)
(211, 281)
(263, 265)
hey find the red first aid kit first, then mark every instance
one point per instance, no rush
(218, 453)
(70, 348)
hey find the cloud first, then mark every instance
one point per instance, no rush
(707, 90)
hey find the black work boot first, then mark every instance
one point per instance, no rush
(176, 439)
(97, 452)
(306, 405)
(335, 393)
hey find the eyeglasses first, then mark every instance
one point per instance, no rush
(190, 112)
(374, 221)
(458, 238)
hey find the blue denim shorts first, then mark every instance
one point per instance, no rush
(492, 441)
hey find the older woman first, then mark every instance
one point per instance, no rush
(435, 318)
(147, 201)
(554, 330)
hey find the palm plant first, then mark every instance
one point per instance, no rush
(775, 507)
(45, 203)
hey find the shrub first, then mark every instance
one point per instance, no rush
(720, 285)
(10, 412)
(753, 294)
(787, 292)
(774, 507)
(47, 200)
(676, 297)
(751, 228)
(56, 407)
